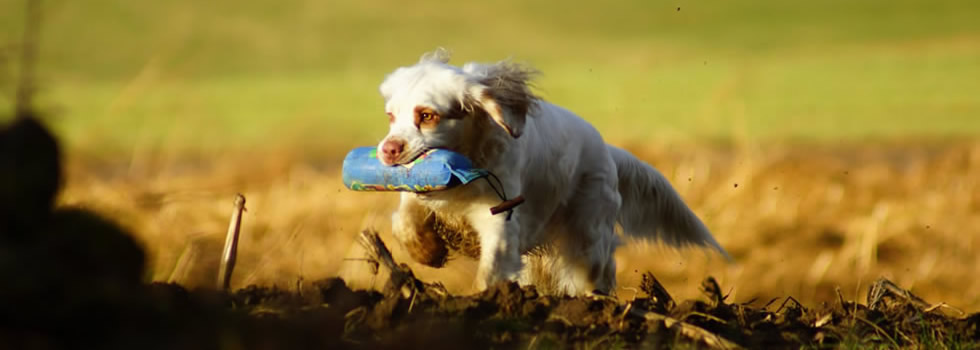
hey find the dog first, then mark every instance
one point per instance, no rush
(576, 187)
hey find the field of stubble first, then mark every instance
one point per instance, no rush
(799, 220)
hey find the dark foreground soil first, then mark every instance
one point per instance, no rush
(98, 306)
(508, 316)
(327, 314)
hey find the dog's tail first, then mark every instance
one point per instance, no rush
(652, 209)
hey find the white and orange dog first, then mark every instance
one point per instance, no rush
(577, 187)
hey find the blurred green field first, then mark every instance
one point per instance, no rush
(122, 75)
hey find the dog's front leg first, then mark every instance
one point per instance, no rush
(500, 258)
(412, 225)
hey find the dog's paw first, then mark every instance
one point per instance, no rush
(428, 248)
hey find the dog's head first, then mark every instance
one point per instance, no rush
(436, 105)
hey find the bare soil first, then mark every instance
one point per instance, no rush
(327, 313)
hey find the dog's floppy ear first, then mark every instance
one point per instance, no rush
(504, 93)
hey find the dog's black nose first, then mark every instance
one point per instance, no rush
(391, 149)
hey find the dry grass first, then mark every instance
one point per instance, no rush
(799, 220)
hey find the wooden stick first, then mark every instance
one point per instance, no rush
(507, 205)
(231, 244)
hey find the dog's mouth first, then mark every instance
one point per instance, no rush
(410, 156)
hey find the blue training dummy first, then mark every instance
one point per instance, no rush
(434, 170)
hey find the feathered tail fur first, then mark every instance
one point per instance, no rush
(652, 209)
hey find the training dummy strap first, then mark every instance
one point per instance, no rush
(434, 170)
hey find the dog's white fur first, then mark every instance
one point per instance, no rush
(577, 188)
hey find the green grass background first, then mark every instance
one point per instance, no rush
(118, 75)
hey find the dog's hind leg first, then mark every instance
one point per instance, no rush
(585, 263)
(589, 242)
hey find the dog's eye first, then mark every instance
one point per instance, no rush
(391, 118)
(425, 117)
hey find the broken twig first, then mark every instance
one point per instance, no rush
(883, 290)
(400, 275)
(689, 331)
(650, 285)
